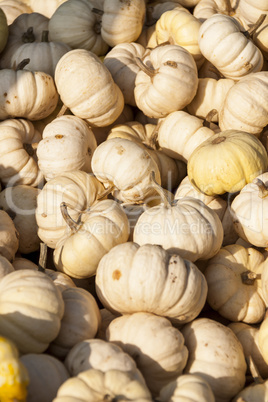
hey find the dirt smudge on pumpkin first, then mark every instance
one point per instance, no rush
(120, 149)
(116, 274)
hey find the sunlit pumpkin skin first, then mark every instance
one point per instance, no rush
(206, 8)
(122, 20)
(67, 144)
(217, 36)
(94, 385)
(251, 10)
(216, 354)
(14, 377)
(253, 392)
(168, 83)
(3, 29)
(160, 286)
(101, 228)
(92, 93)
(45, 7)
(234, 284)
(160, 358)
(84, 26)
(13, 8)
(43, 385)
(226, 162)
(32, 316)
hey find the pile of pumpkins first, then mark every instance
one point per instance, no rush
(134, 220)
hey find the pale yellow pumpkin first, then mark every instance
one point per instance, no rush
(78, 189)
(251, 10)
(31, 316)
(165, 280)
(167, 81)
(81, 320)
(46, 374)
(5, 266)
(18, 165)
(67, 144)
(91, 92)
(122, 20)
(234, 284)
(216, 354)
(94, 385)
(226, 162)
(13, 8)
(9, 237)
(20, 203)
(84, 26)
(206, 8)
(14, 376)
(217, 36)
(45, 7)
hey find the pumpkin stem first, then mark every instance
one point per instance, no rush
(208, 119)
(229, 8)
(62, 111)
(30, 148)
(253, 28)
(248, 277)
(73, 225)
(153, 139)
(254, 370)
(263, 189)
(42, 257)
(22, 64)
(164, 197)
(97, 11)
(105, 193)
(147, 70)
(28, 36)
(45, 37)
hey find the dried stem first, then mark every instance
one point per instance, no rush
(42, 257)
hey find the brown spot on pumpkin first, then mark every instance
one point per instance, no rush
(58, 136)
(120, 149)
(116, 275)
(7, 101)
(5, 94)
(171, 63)
(44, 215)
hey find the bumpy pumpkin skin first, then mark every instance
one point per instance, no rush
(226, 162)
(14, 376)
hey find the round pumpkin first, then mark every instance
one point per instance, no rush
(9, 237)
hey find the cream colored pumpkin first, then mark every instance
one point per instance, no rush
(226, 162)
(20, 202)
(186, 227)
(43, 55)
(216, 354)
(17, 101)
(81, 320)
(45, 7)
(26, 27)
(120, 61)
(187, 387)
(260, 37)
(91, 92)
(99, 229)
(253, 392)
(14, 377)
(167, 81)
(210, 95)
(106, 317)
(246, 105)
(78, 189)
(234, 284)
(218, 204)
(251, 10)
(262, 338)
(180, 27)
(206, 8)
(180, 133)
(67, 144)
(122, 20)
(13, 8)
(160, 358)
(94, 385)
(5, 266)
(46, 374)
(101, 355)
(248, 336)
(9, 237)
(126, 166)
(217, 46)
(31, 316)
(249, 211)
(84, 26)
(168, 285)
(18, 165)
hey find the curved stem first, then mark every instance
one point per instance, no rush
(105, 193)
(153, 139)
(97, 11)
(42, 257)
(252, 30)
(73, 225)
(254, 370)
(164, 198)
(263, 189)
(62, 111)
(208, 119)
(22, 64)
(147, 70)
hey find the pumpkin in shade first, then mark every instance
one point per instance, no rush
(152, 341)
(216, 354)
(3, 29)
(91, 92)
(31, 309)
(169, 286)
(86, 241)
(226, 162)
(14, 377)
(9, 237)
